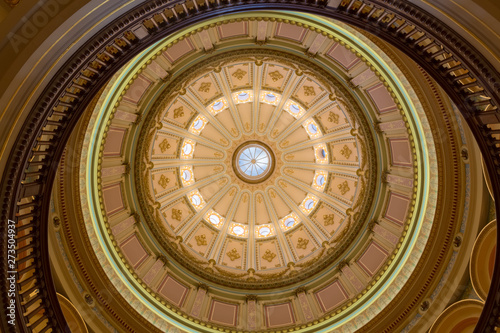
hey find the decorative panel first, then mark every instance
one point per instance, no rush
(198, 302)
(137, 89)
(236, 29)
(173, 290)
(179, 50)
(290, 31)
(381, 98)
(400, 152)
(123, 225)
(352, 278)
(304, 305)
(113, 201)
(372, 259)
(277, 315)
(397, 207)
(133, 249)
(153, 272)
(114, 141)
(223, 313)
(343, 56)
(331, 296)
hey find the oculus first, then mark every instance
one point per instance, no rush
(253, 162)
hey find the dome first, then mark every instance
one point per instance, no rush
(259, 172)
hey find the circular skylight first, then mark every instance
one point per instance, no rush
(312, 128)
(289, 222)
(253, 161)
(294, 108)
(188, 148)
(217, 106)
(198, 124)
(243, 96)
(196, 200)
(186, 175)
(264, 231)
(309, 204)
(214, 219)
(270, 97)
(238, 230)
(320, 180)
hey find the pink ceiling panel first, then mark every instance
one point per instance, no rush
(137, 89)
(235, 29)
(173, 290)
(224, 313)
(279, 315)
(181, 49)
(343, 56)
(112, 195)
(114, 141)
(331, 296)
(134, 251)
(373, 258)
(289, 31)
(382, 98)
(397, 208)
(400, 152)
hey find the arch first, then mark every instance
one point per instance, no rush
(467, 77)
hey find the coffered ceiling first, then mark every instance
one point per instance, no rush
(259, 173)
